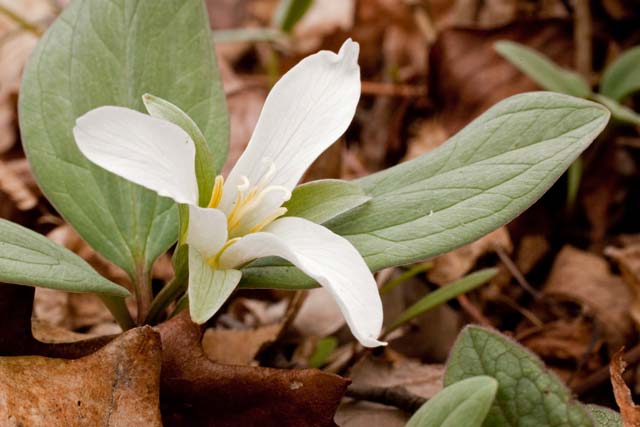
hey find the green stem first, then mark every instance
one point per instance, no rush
(413, 271)
(119, 311)
(168, 294)
(143, 292)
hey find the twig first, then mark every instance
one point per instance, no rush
(582, 33)
(22, 22)
(391, 396)
(515, 272)
(602, 375)
(473, 311)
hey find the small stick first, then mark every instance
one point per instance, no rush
(391, 396)
(602, 375)
(582, 33)
(515, 272)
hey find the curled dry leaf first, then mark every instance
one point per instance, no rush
(117, 386)
(455, 264)
(194, 387)
(391, 370)
(629, 411)
(238, 346)
(585, 279)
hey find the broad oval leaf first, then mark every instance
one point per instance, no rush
(465, 403)
(111, 52)
(542, 70)
(480, 179)
(28, 258)
(622, 77)
(528, 395)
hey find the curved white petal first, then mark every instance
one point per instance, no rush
(328, 258)
(306, 111)
(207, 230)
(146, 150)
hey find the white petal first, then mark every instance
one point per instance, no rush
(207, 231)
(306, 111)
(328, 258)
(208, 288)
(146, 150)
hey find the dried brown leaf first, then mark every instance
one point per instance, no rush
(117, 386)
(455, 264)
(585, 278)
(236, 346)
(629, 411)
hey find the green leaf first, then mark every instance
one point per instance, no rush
(208, 288)
(323, 350)
(320, 201)
(465, 403)
(482, 178)
(205, 172)
(528, 395)
(604, 417)
(442, 295)
(618, 111)
(622, 77)
(28, 258)
(542, 70)
(111, 52)
(289, 12)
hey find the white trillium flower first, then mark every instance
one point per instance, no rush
(306, 111)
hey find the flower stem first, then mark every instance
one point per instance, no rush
(119, 311)
(143, 292)
(168, 294)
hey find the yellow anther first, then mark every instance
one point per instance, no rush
(216, 194)
(268, 220)
(214, 261)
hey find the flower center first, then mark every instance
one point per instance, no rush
(255, 206)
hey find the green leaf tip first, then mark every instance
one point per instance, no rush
(542, 70)
(465, 403)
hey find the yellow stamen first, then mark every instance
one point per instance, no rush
(216, 194)
(268, 220)
(239, 208)
(214, 261)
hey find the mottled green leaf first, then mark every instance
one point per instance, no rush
(465, 403)
(111, 52)
(528, 395)
(604, 417)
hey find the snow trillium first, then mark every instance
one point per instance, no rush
(305, 112)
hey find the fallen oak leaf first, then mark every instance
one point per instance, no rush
(198, 392)
(628, 409)
(16, 336)
(117, 386)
